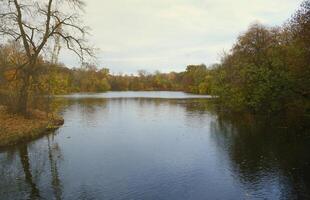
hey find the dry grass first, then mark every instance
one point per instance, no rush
(15, 128)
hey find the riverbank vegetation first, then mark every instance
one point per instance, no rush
(17, 128)
(268, 68)
(32, 33)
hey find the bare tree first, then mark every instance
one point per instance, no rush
(37, 24)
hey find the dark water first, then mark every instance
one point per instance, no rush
(146, 148)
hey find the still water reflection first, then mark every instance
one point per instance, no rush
(146, 148)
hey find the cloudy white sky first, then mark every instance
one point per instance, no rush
(167, 35)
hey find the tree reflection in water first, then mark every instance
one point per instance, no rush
(24, 158)
(27, 180)
(54, 155)
(256, 150)
(261, 148)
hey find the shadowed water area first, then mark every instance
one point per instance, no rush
(157, 145)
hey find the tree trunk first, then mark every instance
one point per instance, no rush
(22, 106)
(24, 158)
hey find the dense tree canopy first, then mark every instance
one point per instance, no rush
(268, 69)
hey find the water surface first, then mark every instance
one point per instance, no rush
(161, 146)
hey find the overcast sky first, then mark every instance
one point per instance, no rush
(167, 35)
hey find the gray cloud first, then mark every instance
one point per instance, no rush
(170, 34)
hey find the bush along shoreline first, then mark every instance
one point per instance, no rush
(15, 129)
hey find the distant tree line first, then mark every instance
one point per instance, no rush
(58, 79)
(192, 80)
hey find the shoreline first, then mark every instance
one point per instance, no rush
(15, 129)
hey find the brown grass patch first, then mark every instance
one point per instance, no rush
(16, 128)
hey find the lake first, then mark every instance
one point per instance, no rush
(157, 145)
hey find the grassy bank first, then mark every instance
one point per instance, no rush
(15, 128)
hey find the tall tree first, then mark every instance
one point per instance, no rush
(37, 24)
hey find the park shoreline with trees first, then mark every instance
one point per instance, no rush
(267, 71)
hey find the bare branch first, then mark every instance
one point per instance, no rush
(37, 23)
(21, 28)
(72, 41)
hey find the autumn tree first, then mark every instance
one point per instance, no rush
(268, 68)
(36, 25)
(194, 78)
